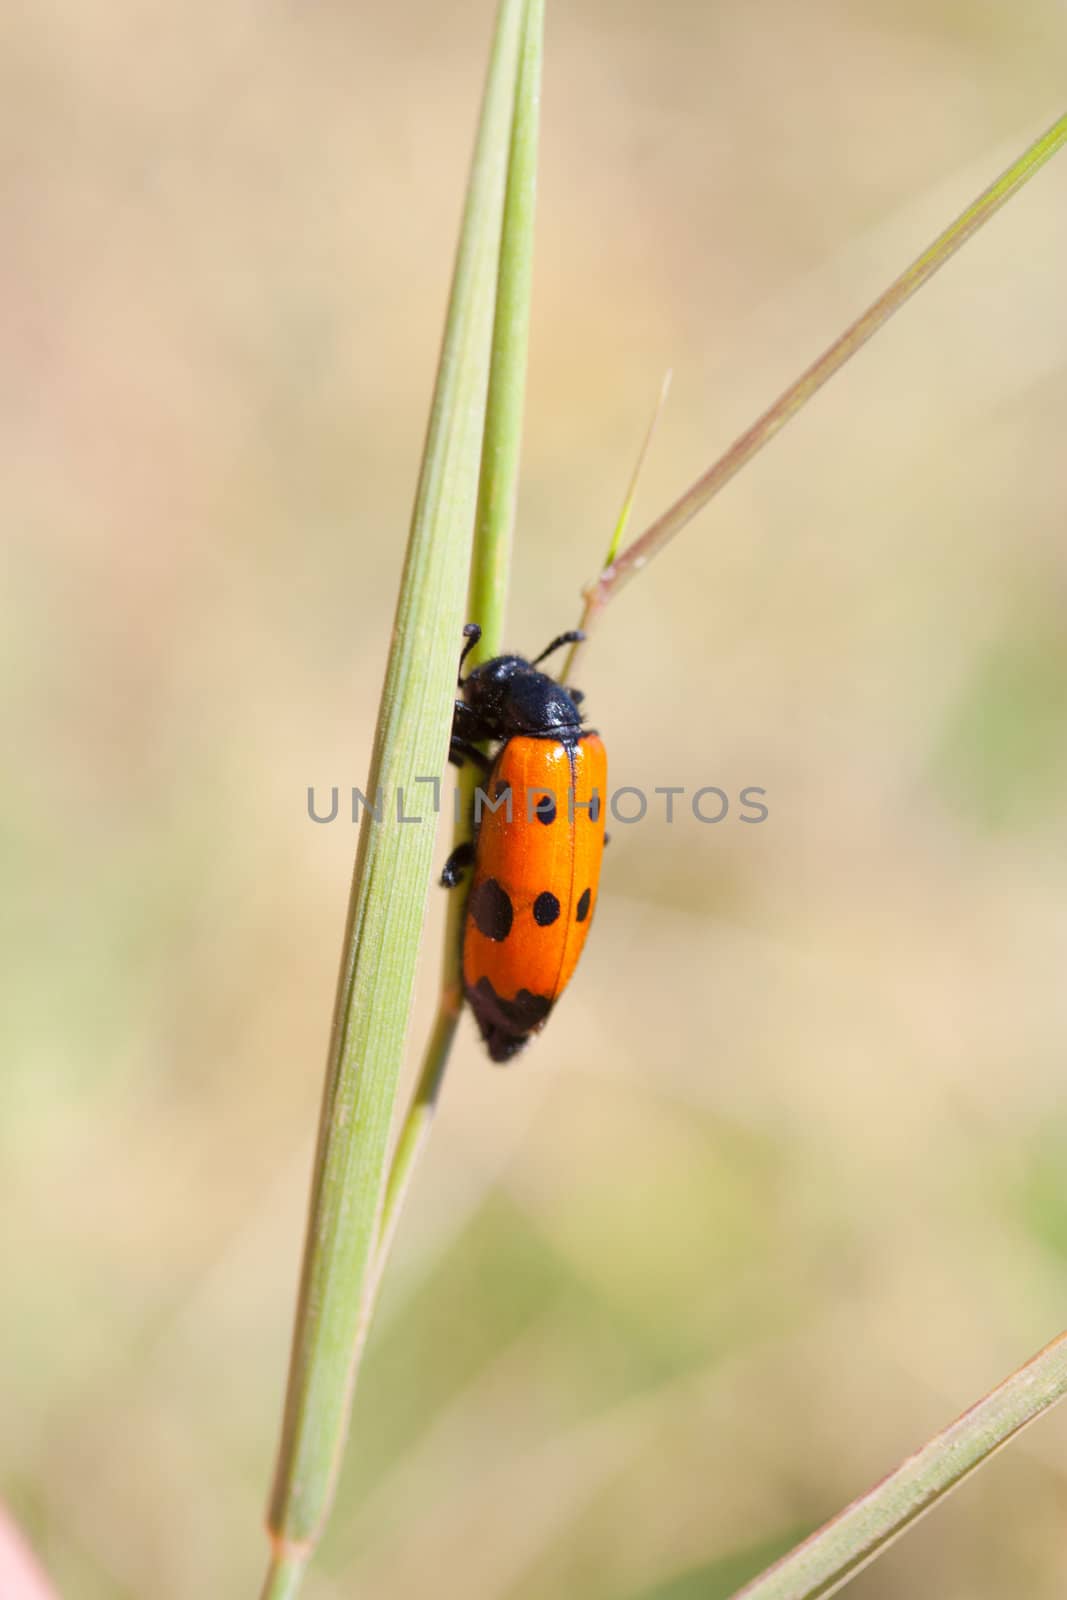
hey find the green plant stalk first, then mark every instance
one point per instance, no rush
(391, 878)
(627, 506)
(658, 535)
(853, 1539)
(499, 482)
(490, 569)
(286, 1574)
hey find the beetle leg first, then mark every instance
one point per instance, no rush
(461, 750)
(467, 724)
(461, 858)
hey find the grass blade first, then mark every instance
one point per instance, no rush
(637, 555)
(391, 878)
(498, 487)
(490, 567)
(631, 491)
(840, 1549)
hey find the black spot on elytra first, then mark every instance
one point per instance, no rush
(545, 809)
(506, 1024)
(594, 809)
(491, 910)
(546, 909)
(583, 906)
(501, 788)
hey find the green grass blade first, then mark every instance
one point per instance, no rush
(491, 564)
(637, 555)
(833, 1555)
(391, 879)
(631, 492)
(498, 488)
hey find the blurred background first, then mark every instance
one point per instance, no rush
(781, 1188)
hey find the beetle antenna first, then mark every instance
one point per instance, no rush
(574, 636)
(472, 633)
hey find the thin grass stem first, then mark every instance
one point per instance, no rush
(391, 879)
(859, 1534)
(490, 569)
(618, 572)
(285, 1574)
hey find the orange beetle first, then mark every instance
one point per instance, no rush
(539, 839)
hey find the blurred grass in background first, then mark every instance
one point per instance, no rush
(780, 1190)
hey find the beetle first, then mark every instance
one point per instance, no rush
(538, 840)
